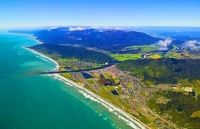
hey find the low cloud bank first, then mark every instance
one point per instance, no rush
(76, 28)
(164, 44)
(192, 44)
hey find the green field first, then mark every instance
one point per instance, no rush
(123, 57)
(155, 56)
(143, 48)
(196, 114)
(174, 55)
(174, 47)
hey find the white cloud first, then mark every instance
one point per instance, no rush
(192, 44)
(76, 28)
(163, 48)
(164, 44)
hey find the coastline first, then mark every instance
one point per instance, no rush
(42, 55)
(29, 35)
(123, 115)
(115, 108)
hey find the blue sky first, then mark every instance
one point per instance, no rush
(34, 13)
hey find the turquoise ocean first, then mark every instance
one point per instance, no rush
(31, 101)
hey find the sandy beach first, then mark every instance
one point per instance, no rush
(43, 56)
(126, 117)
(130, 120)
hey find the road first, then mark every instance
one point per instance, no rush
(84, 70)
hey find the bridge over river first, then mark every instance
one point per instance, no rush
(80, 70)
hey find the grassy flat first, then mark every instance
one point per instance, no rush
(123, 57)
(143, 48)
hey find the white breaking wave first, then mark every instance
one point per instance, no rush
(117, 111)
(44, 58)
(112, 109)
(92, 96)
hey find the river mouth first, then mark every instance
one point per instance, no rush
(29, 100)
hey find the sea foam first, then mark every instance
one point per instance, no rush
(134, 123)
(111, 108)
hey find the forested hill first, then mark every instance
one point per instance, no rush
(103, 39)
(80, 53)
(163, 71)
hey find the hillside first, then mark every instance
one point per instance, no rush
(113, 40)
(70, 52)
(163, 71)
(102, 39)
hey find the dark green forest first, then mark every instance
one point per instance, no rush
(73, 52)
(108, 39)
(180, 107)
(164, 70)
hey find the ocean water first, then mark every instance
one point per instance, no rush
(31, 101)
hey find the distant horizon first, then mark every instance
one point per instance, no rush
(59, 26)
(37, 13)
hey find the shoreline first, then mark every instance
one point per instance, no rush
(129, 120)
(29, 35)
(44, 56)
(115, 108)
